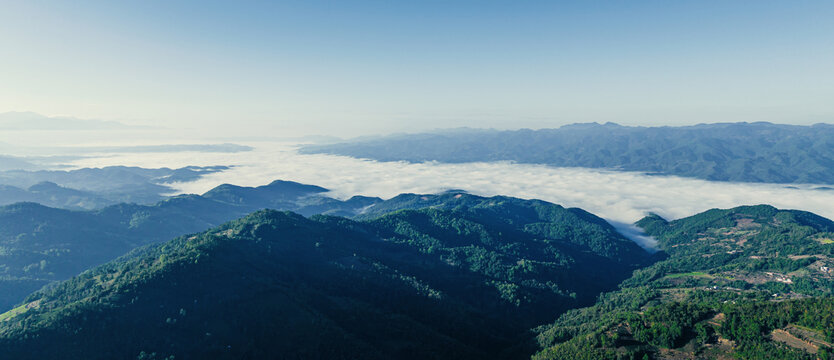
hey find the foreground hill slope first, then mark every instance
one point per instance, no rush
(751, 152)
(427, 283)
(752, 282)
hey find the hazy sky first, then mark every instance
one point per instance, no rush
(357, 67)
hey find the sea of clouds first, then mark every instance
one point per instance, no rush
(620, 197)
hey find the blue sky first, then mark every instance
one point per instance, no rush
(349, 68)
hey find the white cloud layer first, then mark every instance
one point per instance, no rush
(620, 197)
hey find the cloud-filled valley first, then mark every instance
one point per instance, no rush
(622, 197)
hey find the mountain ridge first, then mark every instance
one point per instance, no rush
(485, 269)
(483, 284)
(123, 227)
(747, 152)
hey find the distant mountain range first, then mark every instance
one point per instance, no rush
(95, 188)
(16, 163)
(748, 152)
(35, 121)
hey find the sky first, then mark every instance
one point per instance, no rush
(350, 68)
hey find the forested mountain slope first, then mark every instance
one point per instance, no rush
(535, 216)
(448, 276)
(751, 282)
(39, 244)
(751, 152)
(427, 283)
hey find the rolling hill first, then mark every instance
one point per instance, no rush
(39, 244)
(426, 283)
(751, 282)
